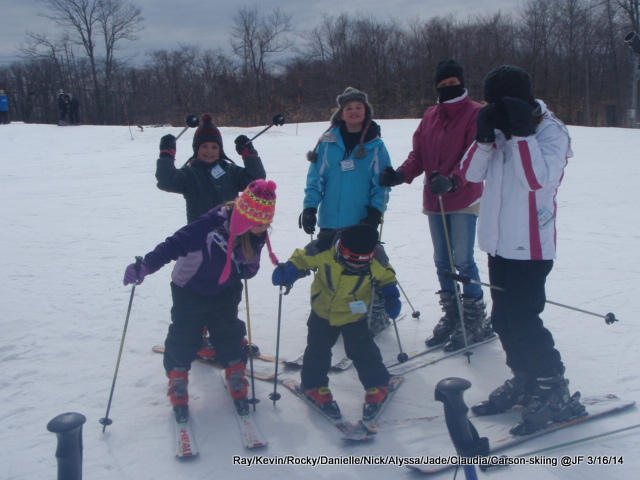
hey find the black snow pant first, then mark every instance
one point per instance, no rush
(358, 345)
(515, 315)
(192, 312)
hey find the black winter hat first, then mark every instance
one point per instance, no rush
(207, 132)
(508, 81)
(357, 243)
(447, 69)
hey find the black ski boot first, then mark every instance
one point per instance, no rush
(515, 391)
(550, 403)
(447, 324)
(476, 324)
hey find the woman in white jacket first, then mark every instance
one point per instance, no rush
(520, 153)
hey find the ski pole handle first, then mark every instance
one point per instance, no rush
(191, 121)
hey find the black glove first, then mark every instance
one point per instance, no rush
(373, 218)
(307, 220)
(168, 146)
(390, 177)
(244, 147)
(521, 116)
(440, 184)
(487, 123)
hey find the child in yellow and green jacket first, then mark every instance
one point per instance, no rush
(341, 296)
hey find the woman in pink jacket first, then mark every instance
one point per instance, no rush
(442, 138)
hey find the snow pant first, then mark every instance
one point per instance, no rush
(462, 234)
(192, 312)
(515, 315)
(74, 116)
(4, 117)
(358, 345)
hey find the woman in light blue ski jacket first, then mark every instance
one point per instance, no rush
(343, 178)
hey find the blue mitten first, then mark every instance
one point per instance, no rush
(392, 303)
(284, 275)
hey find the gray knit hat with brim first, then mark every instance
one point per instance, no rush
(351, 95)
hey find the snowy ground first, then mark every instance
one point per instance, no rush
(78, 203)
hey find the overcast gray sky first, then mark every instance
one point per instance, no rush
(207, 22)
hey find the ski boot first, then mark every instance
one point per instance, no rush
(178, 393)
(323, 397)
(515, 391)
(551, 403)
(373, 398)
(447, 324)
(477, 326)
(238, 386)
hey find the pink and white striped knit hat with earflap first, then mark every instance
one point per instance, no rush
(256, 206)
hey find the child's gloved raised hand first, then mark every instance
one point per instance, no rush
(284, 275)
(392, 303)
(244, 147)
(168, 146)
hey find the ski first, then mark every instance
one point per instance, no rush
(342, 365)
(185, 443)
(260, 372)
(370, 423)
(349, 430)
(252, 437)
(402, 368)
(496, 427)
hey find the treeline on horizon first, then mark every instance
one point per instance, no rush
(573, 49)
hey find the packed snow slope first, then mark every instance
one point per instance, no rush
(78, 203)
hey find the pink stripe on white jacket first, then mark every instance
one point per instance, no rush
(522, 175)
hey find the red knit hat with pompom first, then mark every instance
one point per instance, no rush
(207, 132)
(256, 206)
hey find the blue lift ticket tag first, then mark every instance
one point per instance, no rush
(358, 307)
(217, 171)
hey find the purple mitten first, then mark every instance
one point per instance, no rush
(135, 273)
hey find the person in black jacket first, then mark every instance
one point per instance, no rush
(209, 178)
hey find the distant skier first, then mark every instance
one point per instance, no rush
(4, 108)
(214, 253)
(521, 150)
(341, 296)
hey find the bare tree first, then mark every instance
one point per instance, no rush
(256, 39)
(86, 22)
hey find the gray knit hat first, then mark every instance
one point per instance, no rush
(351, 95)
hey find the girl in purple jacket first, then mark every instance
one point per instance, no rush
(213, 254)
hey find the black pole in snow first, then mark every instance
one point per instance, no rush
(68, 429)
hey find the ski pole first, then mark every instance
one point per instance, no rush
(402, 356)
(570, 443)
(192, 121)
(609, 318)
(416, 313)
(464, 435)
(106, 420)
(277, 119)
(253, 400)
(275, 396)
(467, 352)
